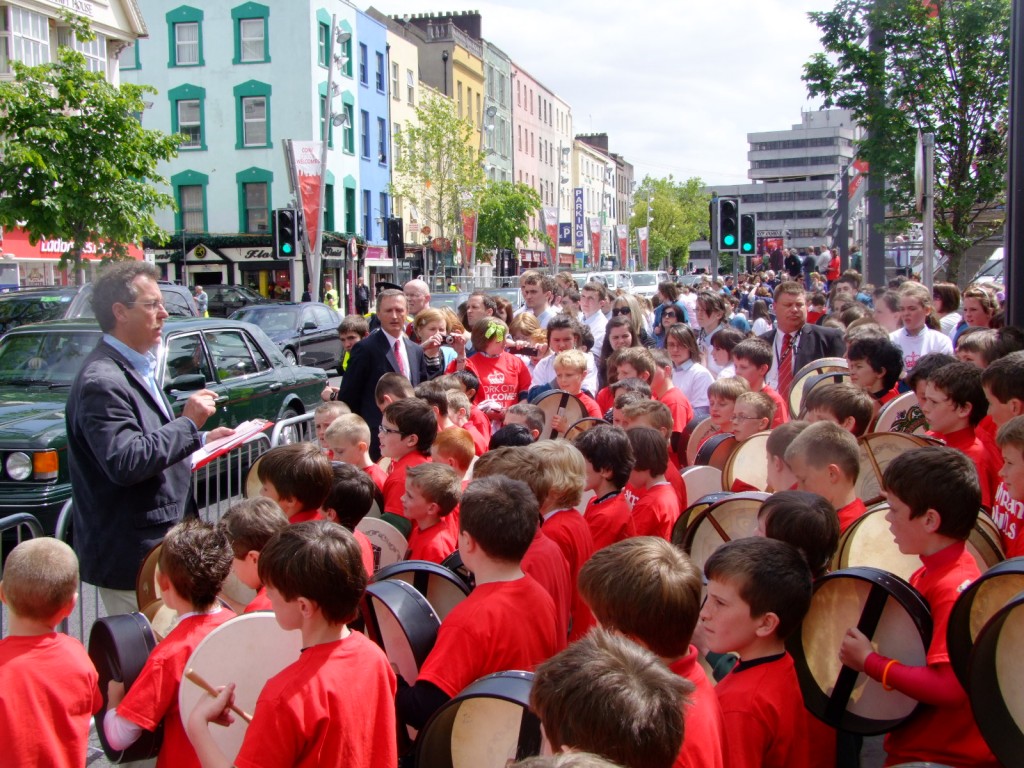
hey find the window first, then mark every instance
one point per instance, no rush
(232, 356)
(187, 113)
(383, 213)
(380, 72)
(251, 41)
(382, 140)
(186, 355)
(323, 114)
(95, 51)
(27, 37)
(257, 210)
(128, 58)
(185, 31)
(459, 88)
(364, 76)
(479, 114)
(328, 207)
(367, 215)
(364, 133)
(501, 90)
(323, 31)
(350, 131)
(394, 81)
(252, 121)
(490, 81)
(469, 104)
(410, 88)
(190, 193)
(350, 209)
(346, 49)
(397, 130)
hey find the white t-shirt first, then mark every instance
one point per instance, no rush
(597, 324)
(544, 373)
(693, 379)
(923, 343)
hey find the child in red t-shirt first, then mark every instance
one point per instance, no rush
(337, 700)
(609, 460)
(608, 696)
(432, 493)
(825, 459)
(805, 520)
(654, 574)
(195, 558)
(933, 499)
(1010, 439)
(657, 509)
(780, 476)
(844, 404)
(348, 439)
(455, 448)
(507, 622)
(297, 477)
(666, 392)
(758, 591)
(407, 430)
(48, 681)
(875, 368)
(504, 378)
(753, 359)
(570, 368)
(1003, 382)
(655, 414)
(248, 525)
(459, 410)
(352, 497)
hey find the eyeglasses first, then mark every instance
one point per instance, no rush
(149, 306)
(669, 314)
(388, 430)
(620, 311)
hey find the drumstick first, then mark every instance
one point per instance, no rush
(196, 678)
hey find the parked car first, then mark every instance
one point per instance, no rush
(646, 283)
(614, 280)
(992, 270)
(306, 333)
(39, 362)
(34, 305)
(224, 300)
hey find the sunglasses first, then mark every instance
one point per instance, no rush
(620, 311)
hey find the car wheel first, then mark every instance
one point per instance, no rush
(292, 433)
(289, 355)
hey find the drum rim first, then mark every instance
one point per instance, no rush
(397, 595)
(680, 525)
(389, 572)
(154, 550)
(727, 470)
(812, 381)
(805, 372)
(691, 529)
(597, 419)
(552, 393)
(693, 432)
(710, 445)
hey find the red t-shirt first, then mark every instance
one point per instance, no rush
(502, 378)
(479, 420)
(1008, 515)
(986, 431)
(675, 479)
(434, 543)
(605, 400)
(378, 475)
(590, 404)
(763, 714)
(481, 440)
(337, 700)
(305, 516)
(656, 511)
(944, 735)
(394, 486)
(679, 405)
(892, 394)
(49, 693)
(781, 410)
(259, 603)
(850, 514)
(547, 565)
(570, 532)
(703, 744)
(366, 549)
(501, 626)
(967, 441)
(631, 495)
(609, 519)
(154, 695)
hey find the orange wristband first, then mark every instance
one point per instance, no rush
(885, 672)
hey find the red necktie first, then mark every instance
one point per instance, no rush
(398, 358)
(785, 365)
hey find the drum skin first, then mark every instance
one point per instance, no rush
(556, 401)
(487, 725)
(252, 480)
(442, 588)
(716, 450)
(700, 481)
(151, 603)
(696, 435)
(901, 414)
(691, 513)
(892, 614)
(389, 545)
(877, 449)
(801, 378)
(119, 647)
(734, 517)
(401, 621)
(748, 464)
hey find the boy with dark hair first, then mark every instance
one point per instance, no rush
(844, 404)
(1003, 382)
(722, 343)
(407, 430)
(805, 520)
(460, 412)
(351, 330)
(195, 558)
(924, 368)
(469, 383)
(432, 493)
(511, 435)
(352, 496)
(953, 403)
(564, 334)
(655, 414)
(297, 477)
(248, 525)
(607, 695)
(486, 632)
(609, 460)
(392, 387)
(1010, 440)
(657, 509)
(780, 476)
(529, 415)
(649, 591)
(753, 360)
(875, 366)
(934, 497)
(825, 459)
(48, 681)
(758, 592)
(337, 699)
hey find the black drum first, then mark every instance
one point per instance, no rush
(401, 621)
(581, 426)
(119, 647)
(454, 564)
(488, 725)
(696, 434)
(442, 588)
(734, 517)
(819, 381)
(555, 402)
(802, 377)
(716, 450)
(892, 614)
(691, 513)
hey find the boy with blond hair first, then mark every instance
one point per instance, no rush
(752, 413)
(570, 367)
(348, 439)
(844, 404)
(323, 416)
(825, 459)
(780, 476)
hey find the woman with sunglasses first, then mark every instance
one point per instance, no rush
(627, 306)
(711, 313)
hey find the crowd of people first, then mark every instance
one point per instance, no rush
(568, 540)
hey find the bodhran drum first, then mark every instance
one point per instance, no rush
(151, 603)
(997, 697)
(454, 564)
(877, 449)
(439, 585)
(488, 725)
(747, 466)
(389, 545)
(247, 651)
(892, 614)
(235, 594)
(716, 450)
(803, 376)
(252, 480)
(820, 381)
(901, 414)
(119, 647)
(581, 426)
(555, 402)
(700, 481)
(696, 437)
(693, 511)
(975, 606)
(734, 517)
(401, 621)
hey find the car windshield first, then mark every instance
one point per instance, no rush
(640, 279)
(22, 309)
(270, 320)
(51, 357)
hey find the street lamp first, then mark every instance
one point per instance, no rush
(444, 65)
(563, 167)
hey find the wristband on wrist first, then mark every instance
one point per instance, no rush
(885, 672)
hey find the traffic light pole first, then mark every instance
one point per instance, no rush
(714, 238)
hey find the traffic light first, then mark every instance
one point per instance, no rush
(286, 233)
(396, 238)
(748, 234)
(728, 224)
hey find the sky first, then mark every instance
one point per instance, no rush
(676, 84)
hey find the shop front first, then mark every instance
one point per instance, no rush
(24, 265)
(252, 267)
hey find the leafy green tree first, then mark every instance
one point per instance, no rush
(942, 67)
(505, 210)
(75, 161)
(679, 216)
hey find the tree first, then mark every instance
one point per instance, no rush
(435, 167)
(679, 216)
(505, 210)
(75, 161)
(942, 67)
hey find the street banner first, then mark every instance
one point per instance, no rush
(641, 237)
(305, 159)
(577, 212)
(469, 235)
(551, 229)
(622, 230)
(857, 171)
(595, 239)
(565, 233)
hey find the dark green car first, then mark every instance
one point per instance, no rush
(39, 362)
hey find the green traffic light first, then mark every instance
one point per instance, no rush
(729, 240)
(748, 247)
(286, 248)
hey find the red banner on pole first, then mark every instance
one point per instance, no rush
(595, 240)
(308, 171)
(641, 236)
(622, 230)
(551, 230)
(469, 236)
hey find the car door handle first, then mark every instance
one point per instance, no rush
(275, 386)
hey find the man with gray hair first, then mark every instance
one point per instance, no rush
(417, 297)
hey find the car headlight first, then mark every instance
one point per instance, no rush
(19, 466)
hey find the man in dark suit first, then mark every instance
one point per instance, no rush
(796, 343)
(386, 350)
(128, 456)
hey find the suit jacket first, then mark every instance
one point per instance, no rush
(813, 343)
(131, 475)
(368, 360)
